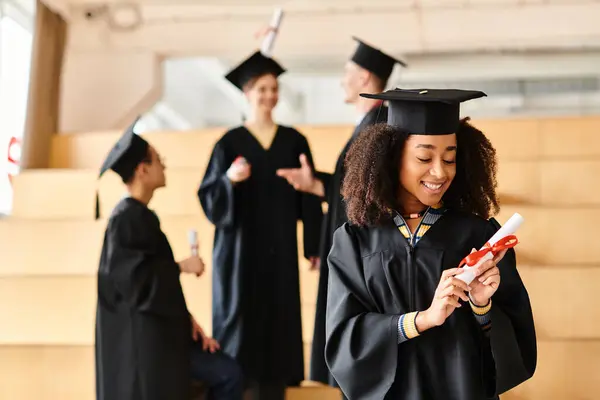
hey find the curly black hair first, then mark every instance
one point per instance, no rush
(371, 180)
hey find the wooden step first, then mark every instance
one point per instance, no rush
(549, 183)
(181, 149)
(559, 296)
(67, 373)
(570, 183)
(73, 247)
(519, 182)
(49, 247)
(59, 194)
(312, 393)
(72, 194)
(514, 139)
(569, 137)
(59, 372)
(566, 370)
(63, 193)
(65, 305)
(554, 236)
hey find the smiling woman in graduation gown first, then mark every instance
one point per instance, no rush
(399, 324)
(256, 294)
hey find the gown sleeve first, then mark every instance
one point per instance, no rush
(310, 212)
(513, 336)
(325, 177)
(216, 192)
(139, 273)
(359, 341)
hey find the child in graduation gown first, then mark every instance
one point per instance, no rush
(420, 193)
(148, 346)
(256, 293)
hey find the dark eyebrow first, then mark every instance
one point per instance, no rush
(432, 147)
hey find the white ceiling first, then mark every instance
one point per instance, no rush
(316, 30)
(509, 42)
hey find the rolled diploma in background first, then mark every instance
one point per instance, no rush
(240, 160)
(267, 44)
(509, 228)
(193, 241)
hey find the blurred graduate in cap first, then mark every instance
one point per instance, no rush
(420, 195)
(148, 346)
(368, 70)
(256, 289)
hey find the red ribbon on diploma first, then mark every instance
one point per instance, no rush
(507, 242)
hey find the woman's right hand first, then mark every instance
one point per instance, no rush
(302, 179)
(445, 300)
(192, 265)
(239, 170)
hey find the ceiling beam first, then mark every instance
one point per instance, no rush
(214, 71)
(400, 30)
(516, 66)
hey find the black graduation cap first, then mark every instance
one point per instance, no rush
(425, 111)
(124, 157)
(255, 65)
(374, 60)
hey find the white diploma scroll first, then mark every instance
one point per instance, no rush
(193, 241)
(509, 228)
(267, 45)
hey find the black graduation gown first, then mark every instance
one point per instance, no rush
(256, 285)
(375, 276)
(335, 217)
(143, 329)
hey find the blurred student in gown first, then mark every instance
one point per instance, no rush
(148, 346)
(256, 293)
(367, 71)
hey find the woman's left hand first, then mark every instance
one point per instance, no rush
(487, 280)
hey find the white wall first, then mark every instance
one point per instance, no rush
(196, 91)
(15, 55)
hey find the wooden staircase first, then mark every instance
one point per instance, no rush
(50, 246)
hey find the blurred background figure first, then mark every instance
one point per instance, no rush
(367, 71)
(256, 284)
(148, 345)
